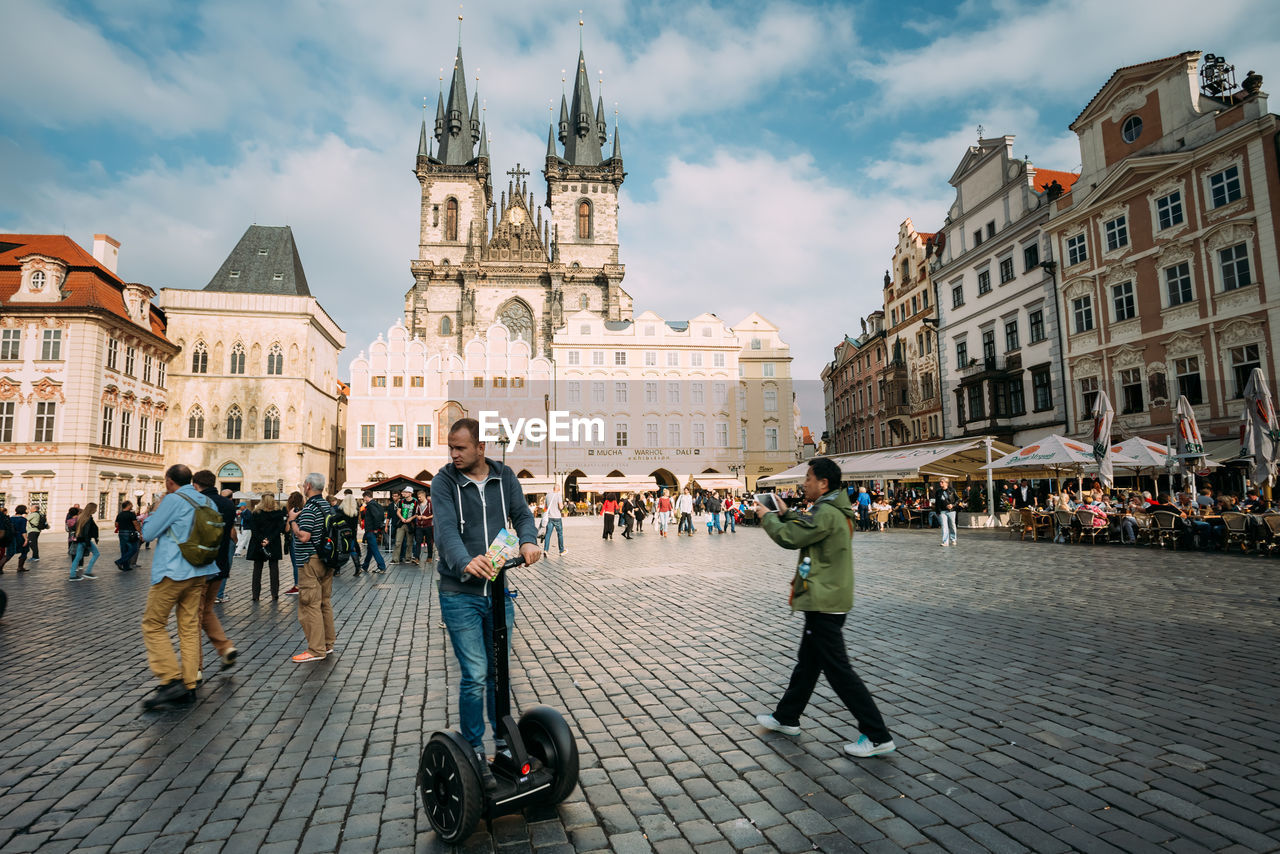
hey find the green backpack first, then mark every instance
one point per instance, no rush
(201, 546)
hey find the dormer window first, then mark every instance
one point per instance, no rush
(277, 277)
(37, 280)
(1132, 129)
(234, 274)
(262, 252)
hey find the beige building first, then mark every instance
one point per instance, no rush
(766, 400)
(83, 395)
(909, 381)
(255, 390)
(1166, 247)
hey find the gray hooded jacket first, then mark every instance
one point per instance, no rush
(467, 517)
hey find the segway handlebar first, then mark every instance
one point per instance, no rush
(514, 562)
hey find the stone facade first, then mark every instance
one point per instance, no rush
(851, 381)
(913, 407)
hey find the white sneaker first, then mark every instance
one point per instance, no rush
(863, 747)
(771, 723)
(945, 543)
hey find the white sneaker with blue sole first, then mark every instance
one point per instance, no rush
(771, 723)
(864, 747)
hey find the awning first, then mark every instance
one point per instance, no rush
(958, 458)
(795, 474)
(536, 485)
(616, 484)
(707, 481)
(1223, 450)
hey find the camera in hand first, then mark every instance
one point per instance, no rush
(767, 500)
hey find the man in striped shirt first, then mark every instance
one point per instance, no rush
(315, 580)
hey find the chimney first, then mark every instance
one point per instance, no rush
(106, 249)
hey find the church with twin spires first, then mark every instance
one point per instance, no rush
(483, 260)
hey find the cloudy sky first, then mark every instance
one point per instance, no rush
(772, 148)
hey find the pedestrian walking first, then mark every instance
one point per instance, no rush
(85, 531)
(7, 539)
(19, 538)
(292, 504)
(404, 510)
(639, 511)
(177, 583)
(822, 588)
(608, 509)
(36, 522)
(348, 511)
(242, 525)
(266, 525)
(684, 505)
(206, 483)
(555, 519)
(315, 589)
(945, 502)
(664, 513)
(374, 518)
(627, 512)
(72, 515)
(128, 529)
(424, 528)
(714, 506)
(730, 514)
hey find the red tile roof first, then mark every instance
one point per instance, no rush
(806, 436)
(1045, 177)
(88, 283)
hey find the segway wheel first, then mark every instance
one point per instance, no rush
(451, 791)
(547, 736)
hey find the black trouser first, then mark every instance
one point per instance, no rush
(275, 578)
(608, 526)
(822, 651)
(627, 524)
(33, 543)
(428, 538)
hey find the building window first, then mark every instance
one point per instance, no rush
(237, 359)
(584, 302)
(717, 360)
(499, 382)
(989, 348)
(999, 399)
(275, 361)
(699, 437)
(650, 358)
(991, 229)
(673, 435)
(926, 386)
(1131, 391)
(113, 349)
(1234, 262)
(7, 418)
(620, 392)
(1187, 372)
(962, 353)
(771, 438)
(1041, 389)
(424, 436)
(755, 344)
(1131, 129)
(381, 382)
(1117, 233)
(1082, 310)
(619, 357)
(366, 436)
(620, 435)
(1035, 320)
(395, 435)
(51, 345)
(1177, 281)
(770, 400)
(1030, 257)
(597, 392)
(651, 434)
(108, 425)
(673, 392)
(446, 326)
(143, 423)
(767, 369)
(451, 219)
(1006, 269)
(126, 419)
(984, 282)
(271, 423)
(673, 358)
(235, 424)
(575, 392)
(650, 392)
(195, 424)
(199, 359)
(1077, 253)
(1122, 301)
(977, 237)
(146, 369)
(695, 359)
(1243, 361)
(722, 434)
(1169, 210)
(597, 357)
(1017, 404)
(1011, 335)
(157, 436)
(957, 296)
(574, 357)
(130, 361)
(977, 407)
(37, 280)
(1224, 186)
(161, 370)
(1088, 394)
(584, 220)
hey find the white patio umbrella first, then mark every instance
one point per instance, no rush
(1190, 445)
(1057, 454)
(1103, 414)
(1262, 434)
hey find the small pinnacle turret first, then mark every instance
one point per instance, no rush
(580, 133)
(460, 132)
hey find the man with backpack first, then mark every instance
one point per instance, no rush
(187, 528)
(36, 522)
(205, 481)
(375, 518)
(320, 547)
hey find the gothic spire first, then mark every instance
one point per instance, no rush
(582, 147)
(564, 119)
(457, 139)
(617, 146)
(551, 142)
(601, 128)
(422, 137)
(484, 142)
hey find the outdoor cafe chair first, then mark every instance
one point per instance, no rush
(1087, 527)
(1237, 529)
(1015, 524)
(1063, 519)
(1272, 521)
(881, 519)
(1146, 531)
(1166, 527)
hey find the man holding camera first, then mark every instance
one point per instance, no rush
(822, 588)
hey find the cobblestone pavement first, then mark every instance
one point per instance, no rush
(1044, 698)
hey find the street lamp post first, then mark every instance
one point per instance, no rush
(504, 441)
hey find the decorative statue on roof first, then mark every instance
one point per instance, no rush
(1252, 84)
(888, 280)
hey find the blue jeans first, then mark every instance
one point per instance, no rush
(80, 550)
(730, 524)
(948, 520)
(715, 520)
(469, 619)
(129, 546)
(558, 526)
(372, 552)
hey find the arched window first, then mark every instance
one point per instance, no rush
(237, 358)
(451, 219)
(195, 423)
(271, 423)
(446, 326)
(518, 319)
(37, 280)
(584, 302)
(235, 424)
(200, 359)
(584, 219)
(275, 360)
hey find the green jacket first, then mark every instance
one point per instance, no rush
(824, 535)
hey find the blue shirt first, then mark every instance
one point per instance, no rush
(864, 499)
(170, 524)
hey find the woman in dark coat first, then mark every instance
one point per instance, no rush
(266, 525)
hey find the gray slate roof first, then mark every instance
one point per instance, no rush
(251, 270)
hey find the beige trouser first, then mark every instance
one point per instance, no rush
(315, 606)
(162, 598)
(209, 620)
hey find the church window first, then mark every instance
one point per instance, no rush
(235, 423)
(200, 360)
(195, 424)
(275, 360)
(446, 326)
(584, 219)
(584, 302)
(451, 219)
(518, 319)
(271, 423)
(237, 358)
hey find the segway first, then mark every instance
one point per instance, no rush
(538, 768)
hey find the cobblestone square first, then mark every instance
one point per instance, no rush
(1044, 698)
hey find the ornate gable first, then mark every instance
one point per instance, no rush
(516, 236)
